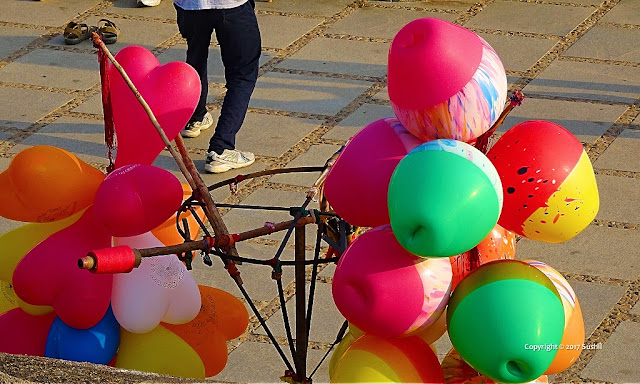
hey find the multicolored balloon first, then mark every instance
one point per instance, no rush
(375, 359)
(386, 291)
(445, 82)
(573, 336)
(444, 198)
(362, 172)
(499, 244)
(45, 183)
(97, 344)
(506, 320)
(549, 186)
(457, 371)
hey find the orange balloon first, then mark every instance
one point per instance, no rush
(222, 317)
(167, 232)
(500, 244)
(571, 343)
(45, 183)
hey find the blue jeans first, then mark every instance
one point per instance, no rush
(239, 38)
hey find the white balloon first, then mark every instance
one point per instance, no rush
(160, 289)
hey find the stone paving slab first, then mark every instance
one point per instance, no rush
(309, 158)
(326, 320)
(305, 94)
(23, 107)
(255, 362)
(360, 118)
(304, 7)
(274, 36)
(635, 310)
(623, 150)
(82, 137)
(457, 5)
(595, 301)
(16, 38)
(507, 16)
(518, 53)
(362, 58)
(607, 364)
(607, 43)
(69, 70)
(609, 83)
(597, 250)
(128, 7)
(51, 13)
(617, 195)
(239, 220)
(382, 23)
(587, 121)
(626, 12)
(264, 135)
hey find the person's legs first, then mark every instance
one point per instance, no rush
(196, 27)
(239, 38)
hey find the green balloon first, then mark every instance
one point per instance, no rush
(440, 204)
(508, 329)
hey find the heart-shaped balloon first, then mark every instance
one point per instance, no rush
(160, 289)
(137, 198)
(49, 274)
(172, 92)
(97, 344)
(45, 183)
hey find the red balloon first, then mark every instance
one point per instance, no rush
(24, 334)
(135, 199)
(172, 92)
(49, 274)
(357, 184)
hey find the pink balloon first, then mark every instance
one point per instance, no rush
(172, 92)
(24, 334)
(137, 198)
(445, 82)
(357, 184)
(384, 290)
(49, 274)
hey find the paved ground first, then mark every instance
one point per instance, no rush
(322, 78)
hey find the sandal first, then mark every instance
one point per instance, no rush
(108, 31)
(75, 33)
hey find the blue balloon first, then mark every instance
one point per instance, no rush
(97, 344)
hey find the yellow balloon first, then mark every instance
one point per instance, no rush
(339, 351)
(159, 351)
(17, 243)
(8, 298)
(434, 331)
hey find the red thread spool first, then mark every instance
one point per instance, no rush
(121, 259)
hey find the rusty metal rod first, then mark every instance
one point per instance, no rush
(300, 359)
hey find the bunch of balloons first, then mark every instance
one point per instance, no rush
(441, 252)
(155, 318)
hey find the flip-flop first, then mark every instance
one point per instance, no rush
(108, 31)
(75, 33)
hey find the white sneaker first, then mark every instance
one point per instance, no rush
(193, 129)
(229, 159)
(148, 3)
